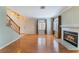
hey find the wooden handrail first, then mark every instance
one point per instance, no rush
(13, 24)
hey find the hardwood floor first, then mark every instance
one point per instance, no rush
(36, 44)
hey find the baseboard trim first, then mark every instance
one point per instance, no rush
(10, 42)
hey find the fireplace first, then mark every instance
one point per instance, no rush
(71, 37)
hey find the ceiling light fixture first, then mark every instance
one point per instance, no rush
(42, 7)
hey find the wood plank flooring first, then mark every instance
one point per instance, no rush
(36, 44)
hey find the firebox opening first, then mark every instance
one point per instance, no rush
(71, 37)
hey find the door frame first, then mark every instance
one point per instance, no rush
(45, 26)
(59, 27)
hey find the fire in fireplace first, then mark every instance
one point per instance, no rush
(71, 37)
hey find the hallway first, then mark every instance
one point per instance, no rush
(36, 44)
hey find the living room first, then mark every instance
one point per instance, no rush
(55, 34)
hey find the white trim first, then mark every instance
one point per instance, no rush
(10, 42)
(63, 10)
(70, 26)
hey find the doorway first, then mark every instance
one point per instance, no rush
(57, 27)
(41, 26)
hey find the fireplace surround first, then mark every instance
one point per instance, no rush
(71, 37)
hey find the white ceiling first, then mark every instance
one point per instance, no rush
(35, 11)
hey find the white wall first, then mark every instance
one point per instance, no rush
(70, 20)
(56, 27)
(30, 26)
(71, 16)
(31, 23)
(56, 24)
(20, 21)
(48, 25)
(27, 25)
(6, 34)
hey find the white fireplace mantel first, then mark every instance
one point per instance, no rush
(70, 26)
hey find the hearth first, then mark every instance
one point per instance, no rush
(71, 37)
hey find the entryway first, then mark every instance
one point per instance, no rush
(42, 26)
